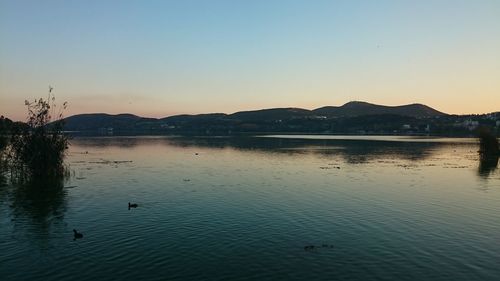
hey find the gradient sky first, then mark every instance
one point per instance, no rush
(159, 58)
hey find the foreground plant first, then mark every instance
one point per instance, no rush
(488, 143)
(38, 149)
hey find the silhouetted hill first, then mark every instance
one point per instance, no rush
(188, 117)
(357, 108)
(252, 115)
(350, 109)
(95, 121)
(271, 114)
(352, 117)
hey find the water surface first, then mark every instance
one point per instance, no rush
(245, 208)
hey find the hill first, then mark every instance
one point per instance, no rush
(95, 121)
(272, 120)
(356, 108)
(271, 114)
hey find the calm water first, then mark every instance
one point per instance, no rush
(244, 208)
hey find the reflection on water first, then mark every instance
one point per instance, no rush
(37, 203)
(353, 151)
(247, 208)
(41, 200)
(487, 165)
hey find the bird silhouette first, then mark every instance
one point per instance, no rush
(77, 235)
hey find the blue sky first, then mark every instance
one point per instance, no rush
(158, 58)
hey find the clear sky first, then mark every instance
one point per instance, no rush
(159, 58)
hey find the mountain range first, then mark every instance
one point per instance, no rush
(96, 121)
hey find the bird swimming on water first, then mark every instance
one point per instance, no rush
(132, 205)
(77, 235)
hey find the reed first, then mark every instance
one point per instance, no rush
(38, 149)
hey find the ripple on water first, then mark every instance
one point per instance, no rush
(393, 211)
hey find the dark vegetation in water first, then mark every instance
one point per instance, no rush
(38, 149)
(488, 143)
(42, 201)
(32, 173)
(487, 165)
(489, 151)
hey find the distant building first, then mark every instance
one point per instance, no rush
(105, 131)
(167, 126)
(470, 124)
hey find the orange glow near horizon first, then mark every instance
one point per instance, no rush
(165, 58)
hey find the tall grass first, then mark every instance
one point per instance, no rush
(488, 143)
(38, 149)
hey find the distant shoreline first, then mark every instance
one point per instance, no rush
(94, 133)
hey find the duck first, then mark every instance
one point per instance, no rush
(132, 205)
(309, 247)
(77, 235)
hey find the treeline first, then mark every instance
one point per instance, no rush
(35, 148)
(8, 126)
(389, 124)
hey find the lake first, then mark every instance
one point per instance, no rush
(249, 208)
